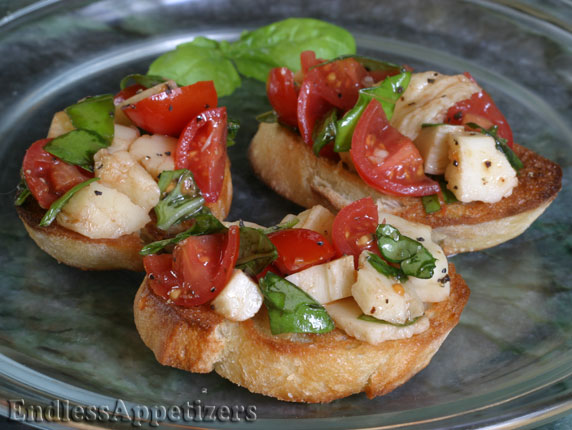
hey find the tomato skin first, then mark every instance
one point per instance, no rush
(127, 93)
(283, 95)
(308, 60)
(202, 149)
(311, 107)
(480, 109)
(168, 112)
(48, 177)
(197, 271)
(387, 160)
(353, 230)
(300, 248)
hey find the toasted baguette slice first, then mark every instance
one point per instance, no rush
(282, 160)
(76, 250)
(296, 368)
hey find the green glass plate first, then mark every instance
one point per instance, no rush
(69, 335)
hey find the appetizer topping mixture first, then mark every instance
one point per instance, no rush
(370, 279)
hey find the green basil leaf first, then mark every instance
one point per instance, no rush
(431, 124)
(385, 269)
(256, 251)
(147, 81)
(290, 309)
(280, 44)
(77, 147)
(180, 203)
(232, 130)
(431, 203)
(413, 257)
(370, 318)
(200, 60)
(500, 145)
(204, 222)
(22, 193)
(57, 206)
(448, 195)
(279, 227)
(95, 114)
(387, 93)
(269, 117)
(325, 131)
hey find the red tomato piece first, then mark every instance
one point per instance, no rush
(48, 177)
(353, 230)
(480, 109)
(127, 93)
(387, 160)
(198, 270)
(202, 150)
(300, 248)
(168, 112)
(308, 60)
(283, 95)
(311, 107)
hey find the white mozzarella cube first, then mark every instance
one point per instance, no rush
(433, 146)
(240, 299)
(477, 170)
(101, 212)
(123, 137)
(317, 218)
(327, 282)
(346, 313)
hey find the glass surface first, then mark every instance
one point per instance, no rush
(69, 334)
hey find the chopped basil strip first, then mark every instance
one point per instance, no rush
(413, 257)
(22, 193)
(431, 124)
(279, 227)
(500, 145)
(180, 198)
(232, 130)
(204, 222)
(387, 93)
(325, 131)
(77, 147)
(57, 206)
(95, 114)
(256, 251)
(369, 318)
(385, 269)
(290, 309)
(448, 195)
(147, 81)
(431, 203)
(269, 117)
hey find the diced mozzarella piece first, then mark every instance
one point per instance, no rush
(317, 218)
(433, 146)
(345, 314)
(61, 124)
(120, 171)
(240, 299)
(383, 297)
(477, 170)
(438, 287)
(123, 137)
(327, 282)
(427, 98)
(101, 212)
(155, 153)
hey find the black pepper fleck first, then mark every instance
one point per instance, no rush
(339, 95)
(444, 279)
(488, 163)
(455, 187)
(444, 271)
(98, 193)
(399, 90)
(170, 108)
(386, 301)
(431, 81)
(420, 239)
(320, 243)
(458, 115)
(212, 289)
(455, 163)
(151, 277)
(167, 153)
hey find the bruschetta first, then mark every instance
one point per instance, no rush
(431, 148)
(313, 310)
(116, 172)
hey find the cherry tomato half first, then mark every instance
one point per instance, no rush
(202, 150)
(198, 270)
(168, 112)
(300, 248)
(353, 230)
(387, 160)
(283, 95)
(47, 176)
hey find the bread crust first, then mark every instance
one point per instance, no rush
(296, 368)
(76, 250)
(281, 159)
